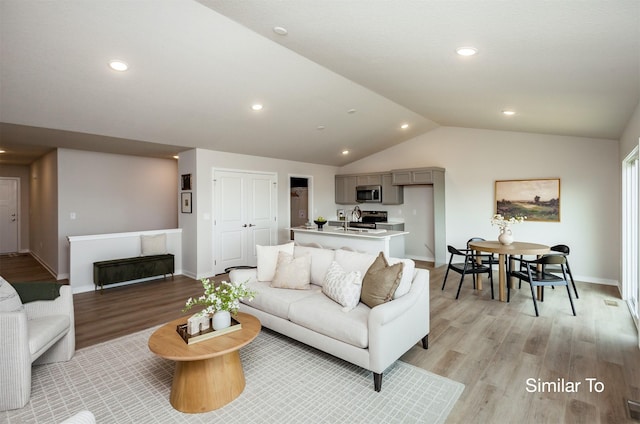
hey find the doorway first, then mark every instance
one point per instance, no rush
(630, 241)
(299, 201)
(9, 213)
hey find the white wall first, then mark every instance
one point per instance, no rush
(198, 229)
(589, 171)
(111, 194)
(43, 216)
(631, 134)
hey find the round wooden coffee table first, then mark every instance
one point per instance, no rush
(209, 373)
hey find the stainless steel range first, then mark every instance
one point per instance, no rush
(368, 219)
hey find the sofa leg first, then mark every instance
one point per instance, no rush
(425, 342)
(377, 381)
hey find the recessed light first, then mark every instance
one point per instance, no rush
(404, 126)
(507, 112)
(320, 127)
(345, 152)
(256, 107)
(176, 157)
(466, 51)
(3, 151)
(351, 111)
(280, 30)
(118, 65)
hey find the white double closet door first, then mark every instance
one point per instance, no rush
(245, 215)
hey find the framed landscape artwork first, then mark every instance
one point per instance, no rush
(538, 200)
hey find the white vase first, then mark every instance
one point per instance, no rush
(220, 320)
(506, 236)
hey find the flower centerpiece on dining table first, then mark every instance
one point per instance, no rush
(220, 301)
(506, 236)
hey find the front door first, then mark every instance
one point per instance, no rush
(8, 215)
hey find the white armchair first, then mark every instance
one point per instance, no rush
(40, 333)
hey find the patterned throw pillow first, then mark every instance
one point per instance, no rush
(342, 287)
(9, 299)
(292, 273)
(380, 282)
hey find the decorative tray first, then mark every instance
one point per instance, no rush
(206, 334)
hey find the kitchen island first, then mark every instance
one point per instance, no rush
(362, 240)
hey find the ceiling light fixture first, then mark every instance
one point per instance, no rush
(280, 30)
(507, 112)
(466, 51)
(118, 65)
(345, 152)
(404, 126)
(3, 151)
(256, 107)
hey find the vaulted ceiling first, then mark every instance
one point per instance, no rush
(346, 75)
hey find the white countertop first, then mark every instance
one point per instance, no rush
(352, 232)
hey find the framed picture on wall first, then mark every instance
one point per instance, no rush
(185, 201)
(538, 200)
(186, 182)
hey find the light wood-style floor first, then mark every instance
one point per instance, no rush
(491, 347)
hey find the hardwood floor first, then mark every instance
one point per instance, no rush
(491, 347)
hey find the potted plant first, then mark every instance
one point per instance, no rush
(220, 301)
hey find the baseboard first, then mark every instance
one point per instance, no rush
(46, 266)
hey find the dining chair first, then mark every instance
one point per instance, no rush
(471, 264)
(564, 250)
(491, 258)
(533, 272)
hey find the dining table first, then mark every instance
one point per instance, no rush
(516, 248)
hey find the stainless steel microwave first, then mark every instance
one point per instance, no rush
(369, 194)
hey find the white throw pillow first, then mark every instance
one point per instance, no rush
(354, 261)
(407, 276)
(268, 259)
(342, 287)
(9, 299)
(154, 245)
(292, 273)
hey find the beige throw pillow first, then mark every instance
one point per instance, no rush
(380, 282)
(153, 245)
(292, 273)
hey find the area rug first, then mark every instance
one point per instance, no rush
(121, 381)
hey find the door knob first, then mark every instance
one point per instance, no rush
(251, 225)
(245, 225)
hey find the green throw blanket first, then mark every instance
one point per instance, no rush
(32, 291)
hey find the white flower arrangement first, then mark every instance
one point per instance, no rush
(503, 222)
(224, 297)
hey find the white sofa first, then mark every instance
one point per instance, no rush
(372, 338)
(38, 332)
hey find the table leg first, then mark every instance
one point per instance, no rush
(478, 276)
(208, 384)
(502, 277)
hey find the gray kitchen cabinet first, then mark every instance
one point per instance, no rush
(391, 194)
(390, 226)
(368, 179)
(345, 189)
(414, 176)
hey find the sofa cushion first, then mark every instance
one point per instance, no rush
(342, 287)
(324, 316)
(9, 299)
(408, 270)
(354, 261)
(380, 282)
(276, 301)
(45, 331)
(268, 258)
(292, 273)
(320, 261)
